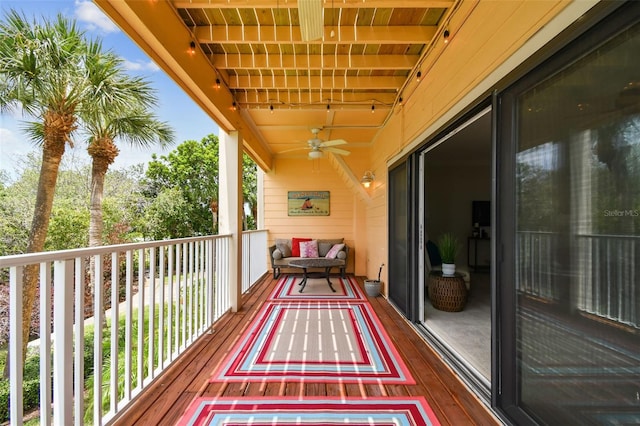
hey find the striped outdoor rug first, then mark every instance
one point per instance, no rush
(309, 411)
(330, 342)
(287, 288)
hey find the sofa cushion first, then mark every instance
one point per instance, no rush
(323, 248)
(295, 246)
(333, 252)
(277, 254)
(283, 247)
(342, 255)
(309, 248)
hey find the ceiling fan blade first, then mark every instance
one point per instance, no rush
(311, 20)
(333, 142)
(293, 149)
(337, 151)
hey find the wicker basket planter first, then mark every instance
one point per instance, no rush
(447, 293)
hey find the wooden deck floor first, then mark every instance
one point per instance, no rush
(165, 401)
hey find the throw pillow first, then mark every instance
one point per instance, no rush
(323, 248)
(284, 249)
(309, 248)
(331, 254)
(295, 246)
(277, 254)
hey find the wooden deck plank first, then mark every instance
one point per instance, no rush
(189, 377)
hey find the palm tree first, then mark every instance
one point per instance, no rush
(119, 110)
(41, 73)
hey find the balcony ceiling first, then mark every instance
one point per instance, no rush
(367, 56)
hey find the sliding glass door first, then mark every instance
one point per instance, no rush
(570, 299)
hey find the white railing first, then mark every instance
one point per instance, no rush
(163, 296)
(254, 249)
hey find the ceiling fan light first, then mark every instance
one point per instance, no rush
(315, 154)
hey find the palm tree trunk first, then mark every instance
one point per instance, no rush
(52, 152)
(103, 153)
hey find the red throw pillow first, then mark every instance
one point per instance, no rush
(295, 246)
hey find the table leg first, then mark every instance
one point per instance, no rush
(304, 279)
(327, 271)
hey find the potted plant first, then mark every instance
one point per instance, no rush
(449, 247)
(372, 287)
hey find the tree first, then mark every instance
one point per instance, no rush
(182, 189)
(193, 169)
(119, 111)
(41, 71)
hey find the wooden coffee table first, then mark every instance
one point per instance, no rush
(319, 263)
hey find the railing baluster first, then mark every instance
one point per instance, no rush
(161, 302)
(98, 319)
(152, 311)
(179, 297)
(45, 343)
(189, 280)
(141, 303)
(79, 339)
(128, 346)
(115, 326)
(15, 344)
(185, 293)
(63, 342)
(170, 325)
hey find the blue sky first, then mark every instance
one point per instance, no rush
(175, 107)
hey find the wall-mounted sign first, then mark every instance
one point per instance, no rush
(308, 203)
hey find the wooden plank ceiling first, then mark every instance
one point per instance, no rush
(347, 82)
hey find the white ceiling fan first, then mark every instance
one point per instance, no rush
(317, 146)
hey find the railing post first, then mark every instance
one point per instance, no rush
(63, 342)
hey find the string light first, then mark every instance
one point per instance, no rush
(192, 47)
(271, 108)
(445, 35)
(419, 75)
(217, 83)
(234, 106)
(373, 109)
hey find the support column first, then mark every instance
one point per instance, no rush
(230, 209)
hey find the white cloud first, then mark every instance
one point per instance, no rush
(92, 16)
(140, 66)
(7, 137)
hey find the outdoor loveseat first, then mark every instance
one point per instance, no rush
(285, 250)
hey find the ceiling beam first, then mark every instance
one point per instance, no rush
(290, 4)
(336, 99)
(238, 34)
(315, 82)
(314, 62)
